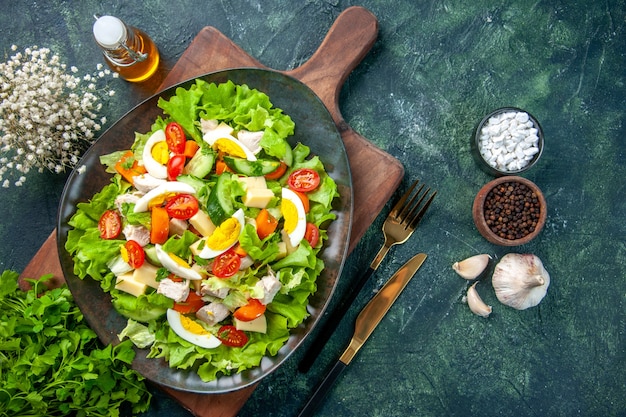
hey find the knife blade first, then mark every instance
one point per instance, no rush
(366, 322)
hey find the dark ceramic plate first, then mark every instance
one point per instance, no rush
(314, 127)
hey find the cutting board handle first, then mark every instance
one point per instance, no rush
(347, 42)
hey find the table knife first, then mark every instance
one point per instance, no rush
(366, 322)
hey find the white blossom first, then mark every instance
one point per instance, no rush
(47, 115)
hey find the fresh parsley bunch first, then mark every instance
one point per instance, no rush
(51, 362)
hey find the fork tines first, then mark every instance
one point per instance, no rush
(409, 214)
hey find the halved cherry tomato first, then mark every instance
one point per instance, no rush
(191, 147)
(253, 310)
(129, 167)
(160, 225)
(175, 166)
(265, 224)
(230, 336)
(226, 264)
(135, 253)
(182, 206)
(276, 174)
(305, 200)
(175, 137)
(110, 224)
(193, 303)
(312, 234)
(303, 180)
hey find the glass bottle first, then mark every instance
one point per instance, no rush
(127, 50)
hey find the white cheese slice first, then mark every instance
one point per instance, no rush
(202, 223)
(258, 197)
(126, 283)
(146, 274)
(258, 325)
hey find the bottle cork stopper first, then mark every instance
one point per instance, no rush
(109, 31)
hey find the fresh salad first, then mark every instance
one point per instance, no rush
(207, 237)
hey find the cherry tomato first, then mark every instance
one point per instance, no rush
(265, 224)
(193, 303)
(182, 206)
(303, 180)
(136, 254)
(110, 224)
(226, 264)
(159, 225)
(175, 166)
(274, 175)
(230, 336)
(253, 310)
(312, 234)
(175, 137)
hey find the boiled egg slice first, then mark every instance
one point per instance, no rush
(176, 265)
(224, 236)
(228, 144)
(293, 212)
(169, 187)
(191, 331)
(155, 168)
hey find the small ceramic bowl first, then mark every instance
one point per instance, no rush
(505, 211)
(508, 141)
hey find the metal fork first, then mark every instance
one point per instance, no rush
(397, 228)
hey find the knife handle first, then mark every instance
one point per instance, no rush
(333, 321)
(322, 389)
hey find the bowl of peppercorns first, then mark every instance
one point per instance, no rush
(509, 211)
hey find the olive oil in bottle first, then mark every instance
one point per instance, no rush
(127, 50)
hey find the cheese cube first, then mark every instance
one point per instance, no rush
(258, 197)
(146, 275)
(202, 223)
(258, 325)
(126, 283)
(253, 182)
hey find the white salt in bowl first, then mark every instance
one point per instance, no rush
(507, 141)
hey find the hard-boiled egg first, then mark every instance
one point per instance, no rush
(224, 236)
(169, 187)
(191, 331)
(154, 167)
(293, 212)
(228, 144)
(176, 265)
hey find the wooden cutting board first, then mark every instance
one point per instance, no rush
(375, 174)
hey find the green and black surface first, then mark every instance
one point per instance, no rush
(435, 71)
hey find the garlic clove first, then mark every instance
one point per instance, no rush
(476, 304)
(520, 280)
(472, 267)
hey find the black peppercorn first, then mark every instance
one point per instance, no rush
(512, 210)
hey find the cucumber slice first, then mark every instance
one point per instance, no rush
(256, 168)
(201, 164)
(151, 256)
(220, 206)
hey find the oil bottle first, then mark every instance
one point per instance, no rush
(127, 50)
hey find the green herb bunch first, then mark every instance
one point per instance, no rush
(51, 362)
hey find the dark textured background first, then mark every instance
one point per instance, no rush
(437, 68)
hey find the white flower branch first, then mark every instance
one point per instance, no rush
(48, 115)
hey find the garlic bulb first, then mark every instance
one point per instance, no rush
(472, 267)
(476, 304)
(520, 280)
